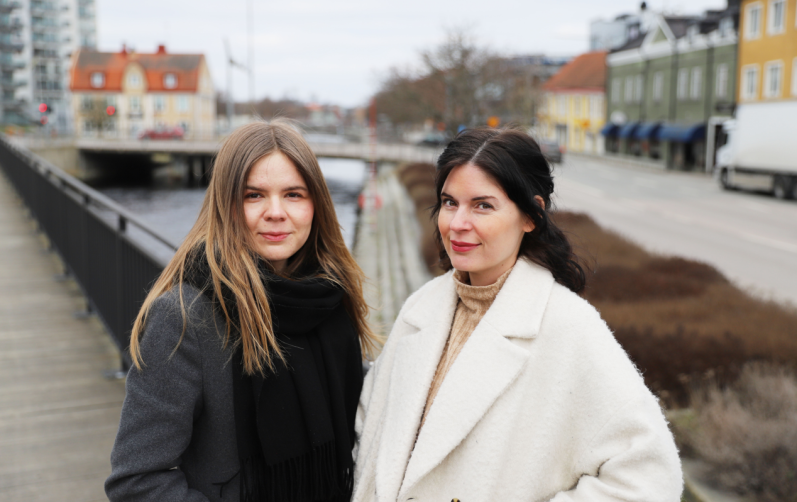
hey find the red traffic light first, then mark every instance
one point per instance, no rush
(43, 107)
(110, 110)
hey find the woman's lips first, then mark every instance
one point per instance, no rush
(274, 236)
(462, 247)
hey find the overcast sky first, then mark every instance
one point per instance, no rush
(336, 51)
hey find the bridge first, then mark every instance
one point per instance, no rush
(87, 158)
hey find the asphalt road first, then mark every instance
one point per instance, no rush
(751, 238)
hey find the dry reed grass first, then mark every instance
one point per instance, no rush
(747, 432)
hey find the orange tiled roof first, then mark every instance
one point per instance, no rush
(113, 64)
(587, 71)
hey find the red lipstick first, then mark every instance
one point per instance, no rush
(463, 247)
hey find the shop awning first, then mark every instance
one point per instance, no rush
(646, 130)
(682, 133)
(610, 129)
(627, 131)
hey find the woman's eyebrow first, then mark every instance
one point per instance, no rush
(288, 189)
(478, 198)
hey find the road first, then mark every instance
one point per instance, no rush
(751, 238)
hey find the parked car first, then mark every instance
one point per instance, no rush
(434, 139)
(551, 150)
(162, 133)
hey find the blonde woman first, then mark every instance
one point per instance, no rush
(247, 351)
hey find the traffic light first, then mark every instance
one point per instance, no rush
(110, 110)
(43, 108)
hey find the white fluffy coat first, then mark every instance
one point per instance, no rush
(542, 404)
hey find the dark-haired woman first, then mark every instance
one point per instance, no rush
(247, 351)
(498, 382)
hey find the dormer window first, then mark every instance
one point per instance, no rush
(134, 80)
(97, 79)
(170, 81)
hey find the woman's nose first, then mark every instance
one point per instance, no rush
(461, 221)
(274, 209)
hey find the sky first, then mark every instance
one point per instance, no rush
(338, 51)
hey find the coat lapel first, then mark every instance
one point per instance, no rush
(415, 363)
(486, 367)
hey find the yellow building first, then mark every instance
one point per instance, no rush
(572, 110)
(768, 51)
(123, 94)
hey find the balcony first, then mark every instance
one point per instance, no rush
(13, 26)
(8, 84)
(7, 6)
(11, 65)
(11, 46)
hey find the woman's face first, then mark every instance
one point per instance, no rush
(480, 226)
(277, 208)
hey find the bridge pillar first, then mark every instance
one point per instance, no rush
(207, 165)
(190, 175)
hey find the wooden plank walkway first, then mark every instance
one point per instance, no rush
(58, 413)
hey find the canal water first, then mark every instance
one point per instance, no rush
(171, 208)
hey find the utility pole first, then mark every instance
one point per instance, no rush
(251, 58)
(231, 63)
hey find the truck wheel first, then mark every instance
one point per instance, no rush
(783, 187)
(724, 183)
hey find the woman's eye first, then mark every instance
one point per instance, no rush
(294, 195)
(448, 202)
(252, 195)
(484, 205)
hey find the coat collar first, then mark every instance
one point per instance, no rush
(486, 367)
(517, 310)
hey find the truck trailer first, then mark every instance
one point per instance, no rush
(761, 152)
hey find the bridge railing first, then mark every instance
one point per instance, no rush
(92, 235)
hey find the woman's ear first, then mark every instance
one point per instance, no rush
(528, 224)
(540, 201)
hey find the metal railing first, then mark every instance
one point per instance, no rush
(92, 235)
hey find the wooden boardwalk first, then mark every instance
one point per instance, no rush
(58, 413)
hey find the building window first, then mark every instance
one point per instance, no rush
(596, 107)
(170, 81)
(134, 80)
(696, 89)
(639, 86)
(135, 104)
(776, 20)
(722, 81)
(750, 82)
(561, 106)
(86, 103)
(773, 78)
(726, 26)
(616, 83)
(794, 77)
(752, 23)
(184, 126)
(160, 104)
(182, 103)
(629, 89)
(683, 82)
(110, 101)
(658, 85)
(577, 106)
(97, 80)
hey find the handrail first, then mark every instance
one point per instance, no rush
(114, 270)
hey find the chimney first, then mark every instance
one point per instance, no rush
(643, 7)
(124, 49)
(161, 49)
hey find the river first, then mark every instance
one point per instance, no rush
(171, 208)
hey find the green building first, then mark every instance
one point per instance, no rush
(670, 88)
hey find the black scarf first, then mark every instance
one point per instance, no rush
(295, 426)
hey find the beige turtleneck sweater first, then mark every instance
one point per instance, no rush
(471, 307)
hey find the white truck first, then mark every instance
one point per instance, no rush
(761, 152)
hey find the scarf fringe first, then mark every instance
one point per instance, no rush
(313, 476)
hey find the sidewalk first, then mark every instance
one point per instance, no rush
(58, 413)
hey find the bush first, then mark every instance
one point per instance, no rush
(747, 432)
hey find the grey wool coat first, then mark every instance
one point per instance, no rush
(176, 438)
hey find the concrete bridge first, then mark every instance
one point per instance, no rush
(88, 158)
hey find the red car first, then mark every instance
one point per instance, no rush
(162, 133)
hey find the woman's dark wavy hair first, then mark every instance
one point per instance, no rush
(514, 160)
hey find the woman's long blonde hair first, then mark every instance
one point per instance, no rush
(221, 228)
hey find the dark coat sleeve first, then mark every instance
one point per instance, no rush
(162, 402)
